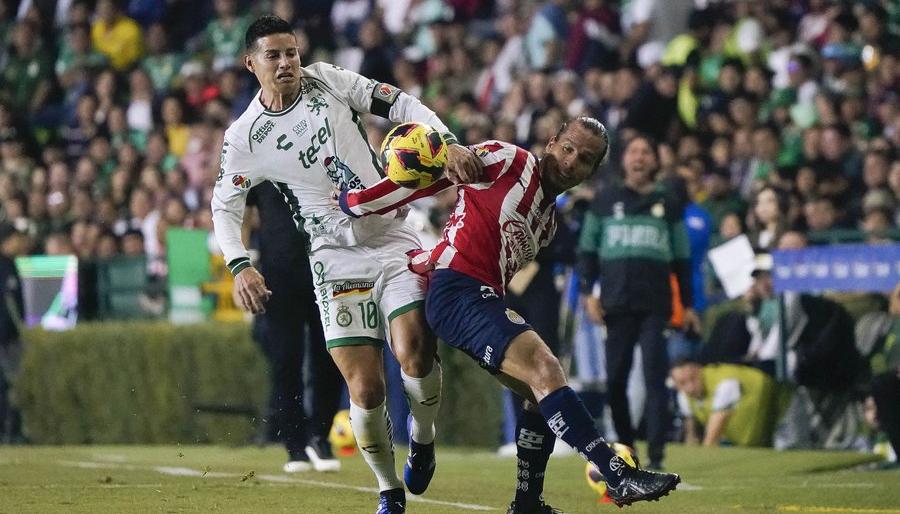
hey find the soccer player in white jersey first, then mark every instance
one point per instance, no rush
(303, 133)
(497, 228)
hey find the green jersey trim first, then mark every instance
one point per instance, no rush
(354, 341)
(399, 311)
(294, 204)
(282, 112)
(362, 132)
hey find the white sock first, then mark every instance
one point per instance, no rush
(372, 429)
(424, 396)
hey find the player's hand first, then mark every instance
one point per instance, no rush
(250, 290)
(692, 323)
(594, 309)
(462, 165)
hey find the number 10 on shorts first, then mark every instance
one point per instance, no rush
(368, 312)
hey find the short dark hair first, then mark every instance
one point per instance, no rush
(651, 142)
(265, 26)
(593, 126)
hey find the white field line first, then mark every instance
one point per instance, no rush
(281, 479)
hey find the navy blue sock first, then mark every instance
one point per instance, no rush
(570, 421)
(534, 444)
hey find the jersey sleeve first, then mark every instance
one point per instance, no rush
(385, 196)
(497, 159)
(228, 202)
(380, 98)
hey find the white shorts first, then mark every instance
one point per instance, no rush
(360, 289)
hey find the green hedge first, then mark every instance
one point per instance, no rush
(152, 382)
(140, 382)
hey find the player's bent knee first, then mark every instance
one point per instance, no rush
(548, 375)
(366, 395)
(415, 355)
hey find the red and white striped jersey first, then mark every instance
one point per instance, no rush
(497, 226)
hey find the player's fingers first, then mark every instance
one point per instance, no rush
(245, 298)
(452, 175)
(470, 164)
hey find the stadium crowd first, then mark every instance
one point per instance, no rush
(781, 119)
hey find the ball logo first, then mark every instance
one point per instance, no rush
(515, 317)
(240, 181)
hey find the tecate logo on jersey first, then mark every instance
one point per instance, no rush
(309, 156)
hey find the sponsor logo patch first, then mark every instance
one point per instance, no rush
(488, 292)
(240, 181)
(386, 93)
(260, 135)
(352, 287)
(487, 355)
(515, 317)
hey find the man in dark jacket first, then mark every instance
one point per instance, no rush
(290, 331)
(11, 315)
(634, 239)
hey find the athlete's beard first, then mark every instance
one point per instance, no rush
(549, 168)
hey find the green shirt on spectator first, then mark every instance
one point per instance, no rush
(162, 69)
(21, 77)
(226, 43)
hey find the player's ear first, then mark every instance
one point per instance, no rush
(248, 62)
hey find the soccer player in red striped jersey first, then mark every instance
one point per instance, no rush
(497, 227)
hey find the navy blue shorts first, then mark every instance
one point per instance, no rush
(470, 316)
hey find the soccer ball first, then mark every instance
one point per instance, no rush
(414, 155)
(341, 434)
(595, 478)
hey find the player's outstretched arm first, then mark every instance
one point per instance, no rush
(384, 197)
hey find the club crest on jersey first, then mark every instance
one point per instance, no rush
(316, 104)
(618, 210)
(515, 317)
(240, 181)
(343, 316)
(352, 287)
(658, 210)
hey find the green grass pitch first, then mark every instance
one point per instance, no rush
(174, 479)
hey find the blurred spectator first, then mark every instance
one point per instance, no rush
(132, 243)
(733, 404)
(544, 37)
(117, 36)
(377, 55)
(769, 218)
(161, 63)
(27, 70)
(223, 38)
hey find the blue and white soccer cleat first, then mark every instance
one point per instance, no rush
(392, 501)
(419, 467)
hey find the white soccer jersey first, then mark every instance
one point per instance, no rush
(308, 150)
